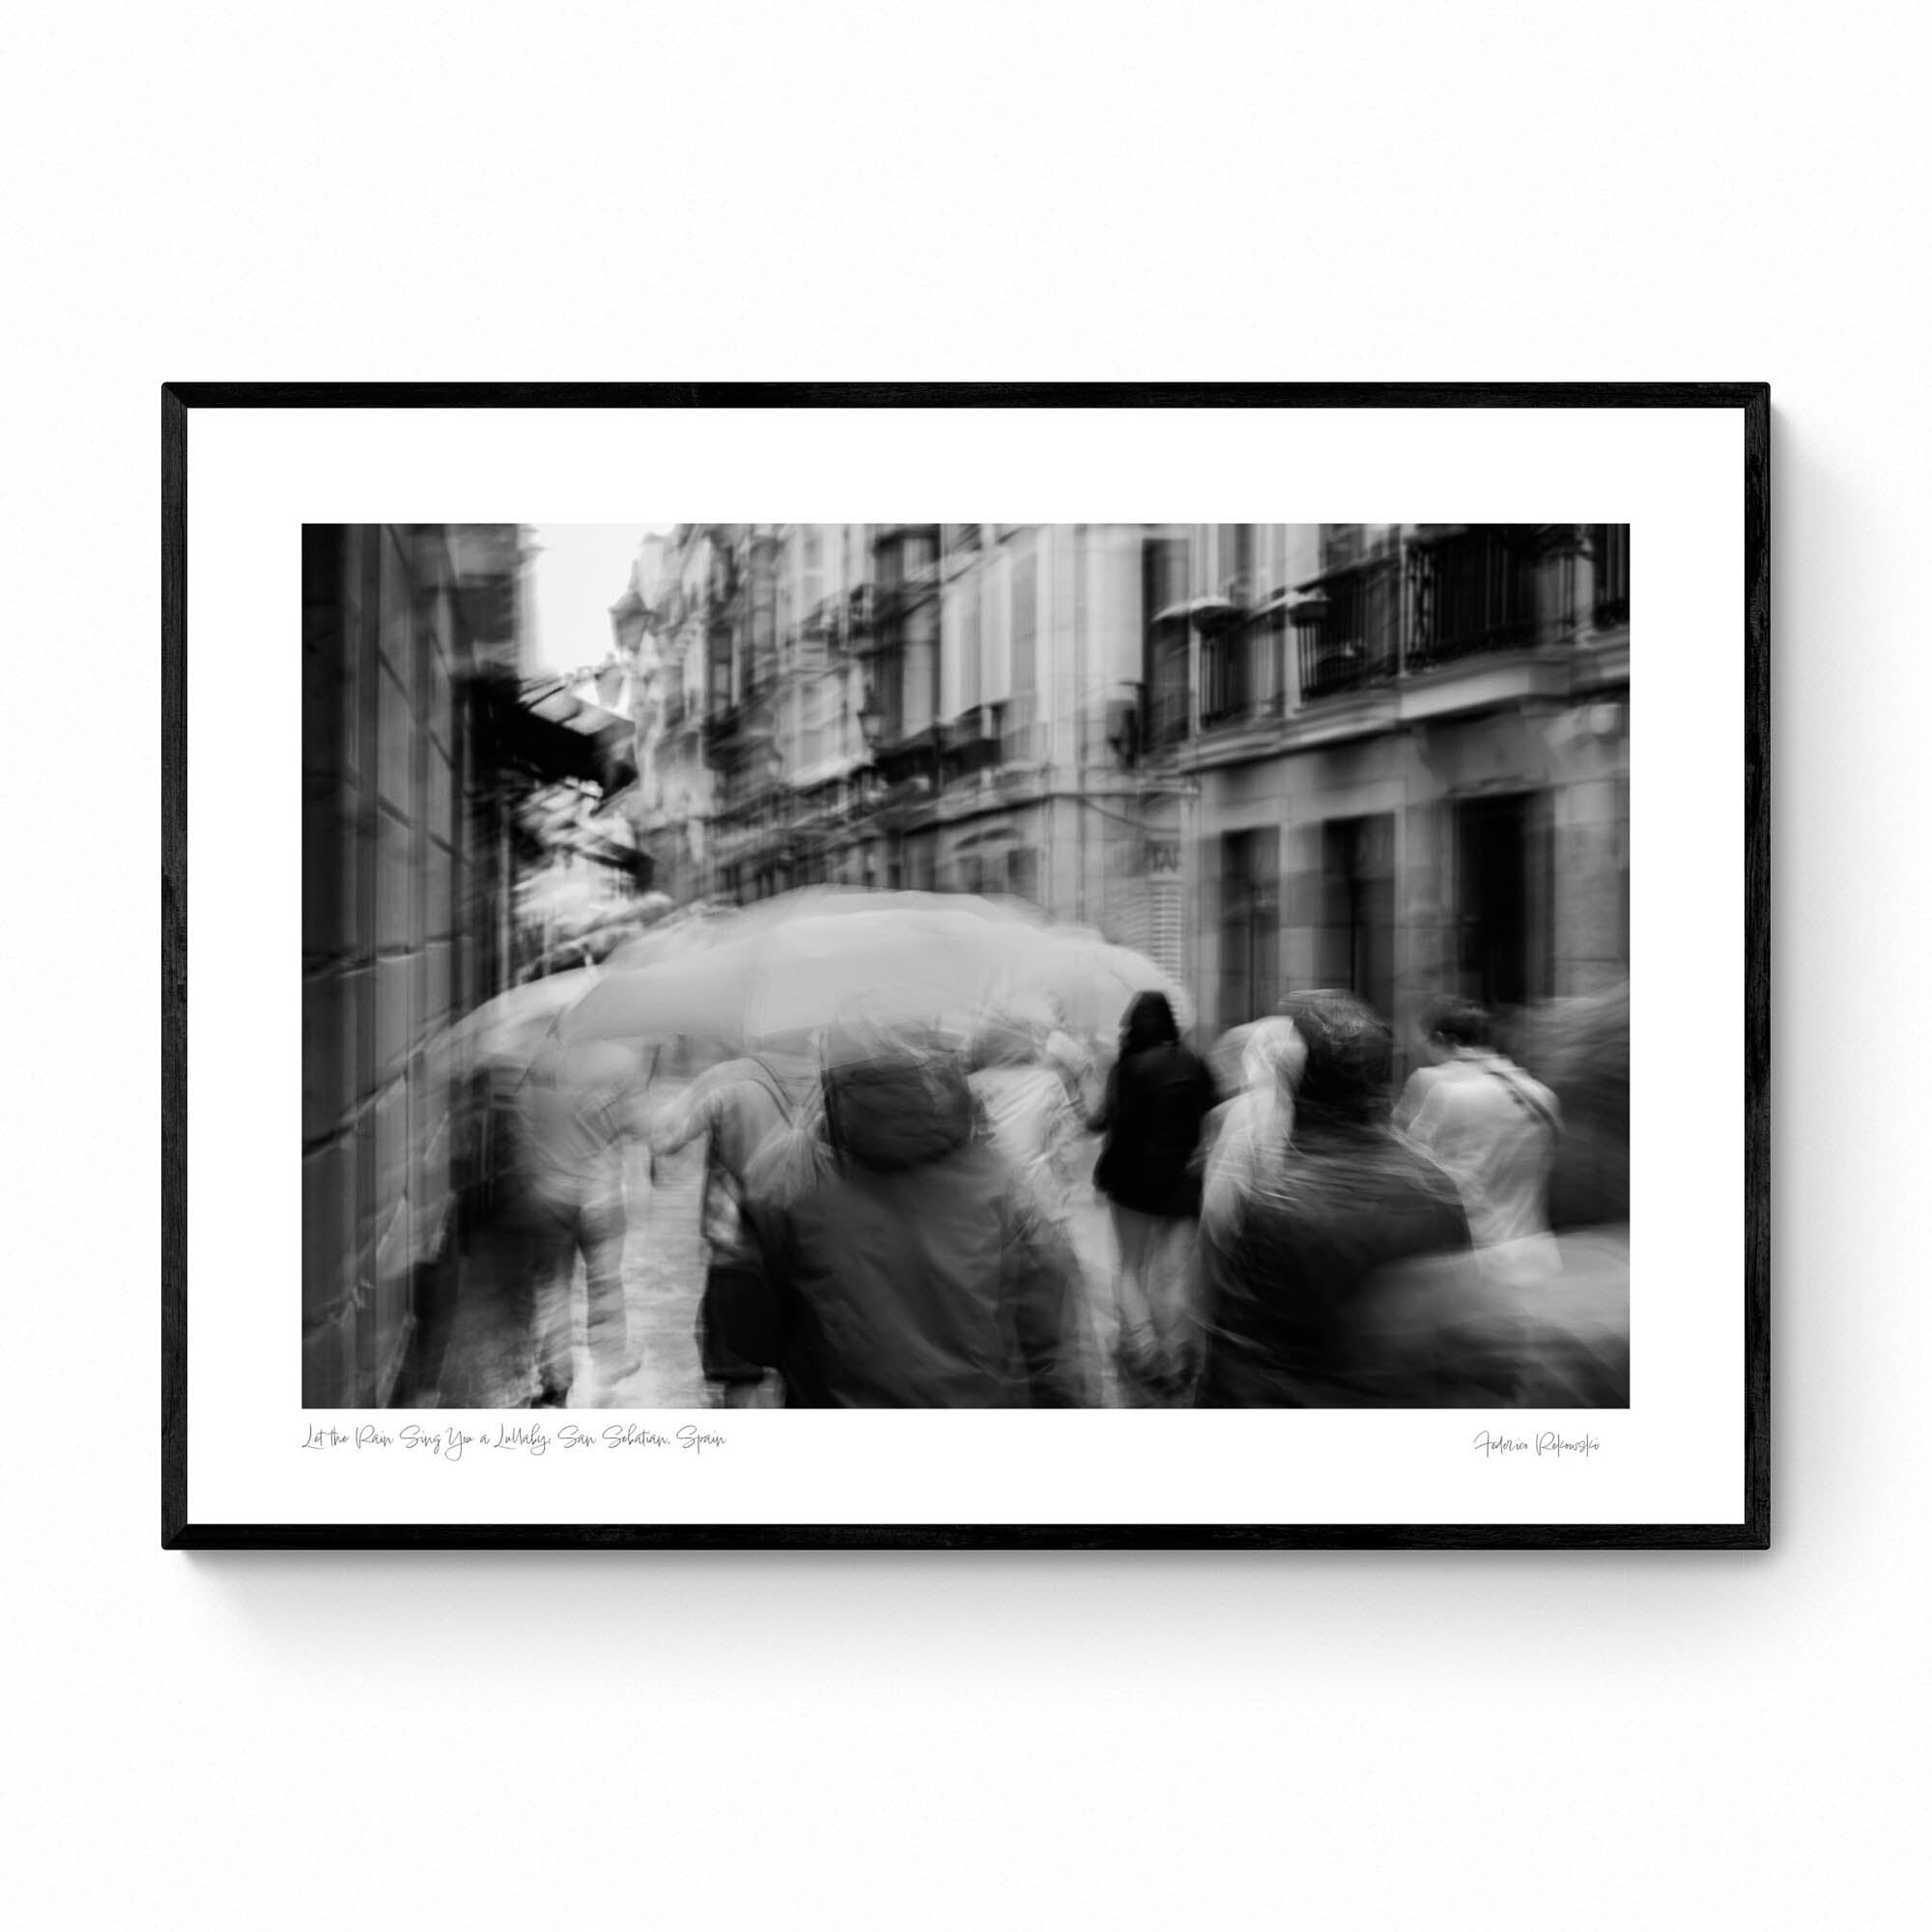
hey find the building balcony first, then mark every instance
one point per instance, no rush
(1471, 591)
(906, 561)
(917, 758)
(1451, 595)
(1610, 553)
(1241, 671)
(1348, 628)
(974, 741)
(733, 733)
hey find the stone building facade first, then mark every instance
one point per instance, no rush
(1392, 756)
(405, 922)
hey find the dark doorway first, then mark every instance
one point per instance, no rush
(1357, 948)
(1502, 898)
(1250, 925)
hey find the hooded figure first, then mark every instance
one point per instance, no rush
(890, 1259)
(1158, 1097)
(1291, 1263)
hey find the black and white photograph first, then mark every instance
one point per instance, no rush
(966, 965)
(1080, 1031)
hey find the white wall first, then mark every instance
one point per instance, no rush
(328, 1743)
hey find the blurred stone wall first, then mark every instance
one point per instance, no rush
(399, 889)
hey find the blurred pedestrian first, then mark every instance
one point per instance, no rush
(1495, 1131)
(1257, 1123)
(1580, 1048)
(573, 1117)
(1029, 1112)
(1291, 1258)
(890, 1257)
(1157, 1097)
(1032, 1122)
(734, 1108)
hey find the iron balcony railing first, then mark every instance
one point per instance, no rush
(1241, 670)
(1167, 693)
(1610, 544)
(1348, 627)
(1470, 591)
(906, 562)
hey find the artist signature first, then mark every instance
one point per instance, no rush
(1550, 1442)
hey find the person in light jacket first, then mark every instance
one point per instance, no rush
(1495, 1130)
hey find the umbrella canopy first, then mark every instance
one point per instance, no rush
(508, 1030)
(703, 926)
(646, 910)
(822, 901)
(1094, 983)
(944, 964)
(668, 939)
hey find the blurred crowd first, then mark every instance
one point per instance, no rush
(897, 1213)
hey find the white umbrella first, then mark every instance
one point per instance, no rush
(1094, 983)
(946, 966)
(508, 1030)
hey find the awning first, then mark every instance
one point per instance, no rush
(540, 729)
(1206, 611)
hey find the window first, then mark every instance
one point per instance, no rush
(1241, 670)
(1250, 923)
(817, 715)
(1267, 660)
(1235, 560)
(1017, 734)
(763, 626)
(1164, 583)
(1026, 619)
(1343, 543)
(908, 556)
(1611, 546)
(1356, 941)
(1224, 693)
(970, 682)
(889, 693)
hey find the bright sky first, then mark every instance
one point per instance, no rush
(581, 570)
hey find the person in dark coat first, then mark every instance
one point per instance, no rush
(1294, 1262)
(889, 1257)
(1159, 1095)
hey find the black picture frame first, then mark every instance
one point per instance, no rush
(180, 401)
